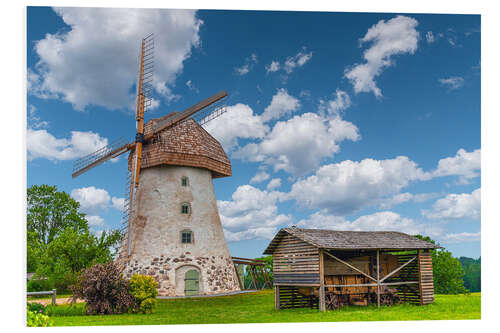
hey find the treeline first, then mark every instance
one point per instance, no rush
(472, 276)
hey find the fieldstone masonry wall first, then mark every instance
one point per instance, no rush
(157, 249)
(216, 273)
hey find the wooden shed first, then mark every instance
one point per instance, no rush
(328, 269)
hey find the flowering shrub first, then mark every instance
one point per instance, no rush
(104, 289)
(36, 307)
(37, 319)
(144, 289)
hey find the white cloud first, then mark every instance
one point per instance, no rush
(461, 237)
(243, 70)
(335, 106)
(118, 203)
(396, 36)
(281, 104)
(395, 200)
(430, 37)
(238, 122)
(451, 37)
(466, 165)
(191, 86)
(95, 62)
(457, 206)
(274, 66)
(452, 83)
(252, 213)
(247, 66)
(254, 233)
(259, 177)
(42, 144)
(290, 64)
(298, 145)
(92, 200)
(34, 121)
(405, 197)
(298, 60)
(379, 221)
(95, 221)
(273, 184)
(345, 187)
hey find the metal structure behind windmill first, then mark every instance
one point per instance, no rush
(172, 226)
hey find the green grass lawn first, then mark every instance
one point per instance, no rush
(259, 308)
(65, 295)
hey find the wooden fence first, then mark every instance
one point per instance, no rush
(39, 293)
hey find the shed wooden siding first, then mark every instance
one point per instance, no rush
(295, 262)
(408, 293)
(425, 277)
(288, 297)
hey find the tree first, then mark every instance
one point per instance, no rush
(59, 242)
(74, 250)
(34, 251)
(447, 271)
(50, 212)
(472, 268)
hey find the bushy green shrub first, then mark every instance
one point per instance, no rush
(36, 284)
(144, 289)
(37, 319)
(104, 289)
(36, 307)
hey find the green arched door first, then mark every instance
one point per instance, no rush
(191, 283)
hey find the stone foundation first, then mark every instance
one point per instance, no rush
(216, 274)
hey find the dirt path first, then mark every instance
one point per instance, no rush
(64, 300)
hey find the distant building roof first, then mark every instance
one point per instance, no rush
(184, 144)
(352, 240)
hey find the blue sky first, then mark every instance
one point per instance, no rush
(345, 121)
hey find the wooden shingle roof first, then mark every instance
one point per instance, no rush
(352, 240)
(185, 144)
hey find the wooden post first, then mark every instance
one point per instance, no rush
(322, 305)
(420, 277)
(277, 297)
(250, 272)
(238, 276)
(266, 277)
(54, 297)
(378, 278)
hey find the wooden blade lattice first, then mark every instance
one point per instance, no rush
(110, 151)
(208, 114)
(187, 113)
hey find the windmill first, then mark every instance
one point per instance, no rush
(172, 228)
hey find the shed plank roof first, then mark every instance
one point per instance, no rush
(351, 240)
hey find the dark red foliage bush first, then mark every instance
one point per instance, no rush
(104, 289)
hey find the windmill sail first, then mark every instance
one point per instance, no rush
(110, 151)
(209, 114)
(144, 99)
(147, 72)
(186, 113)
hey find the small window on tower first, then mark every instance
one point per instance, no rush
(184, 181)
(186, 236)
(185, 208)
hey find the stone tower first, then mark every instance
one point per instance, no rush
(177, 234)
